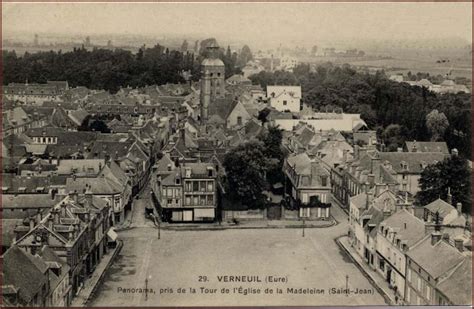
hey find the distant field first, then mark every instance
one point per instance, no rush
(460, 68)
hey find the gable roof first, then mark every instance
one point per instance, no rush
(447, 257)
(440, 206)
(408, 227)
(24, 272)
(416, 146)
(222, 107)
(458, 286)
(415, 160)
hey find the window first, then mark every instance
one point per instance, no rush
(285, 102)
(202, 186)
(239, 120)
(428, 292)
(210, 186)
(419, 284)
(408, 295)
(188, 200)
(304, 212)
(195, 186)
(210, 200)
(188, 186)
(170, 201)
(409, 275)
(304, 198)
(324, 180)
(169, 192)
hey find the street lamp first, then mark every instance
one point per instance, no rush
(347, 285)
(303, 227)
(146, 288)
(159, 225)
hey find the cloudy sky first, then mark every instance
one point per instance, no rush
(250, 22)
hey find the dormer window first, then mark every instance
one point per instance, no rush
(404, 165)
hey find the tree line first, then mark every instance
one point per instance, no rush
(112, 69)
(398, 111)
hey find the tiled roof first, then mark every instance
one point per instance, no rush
(414, 160)
(427, 147)
(440, 206)
(20, 201)
(458, 286)
(408, 227)
(21, 270)
(447, 257)
(222, 107)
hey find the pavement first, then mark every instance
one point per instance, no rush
(378, 280)
(186, 260)
(93, 281)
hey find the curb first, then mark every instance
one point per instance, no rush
(94, 289)
(386, 297)
(184, 228)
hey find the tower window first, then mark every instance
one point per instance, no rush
(212, 74)
(218, 74)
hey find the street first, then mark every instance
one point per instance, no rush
(197, 259)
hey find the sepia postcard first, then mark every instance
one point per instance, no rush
(176, 154)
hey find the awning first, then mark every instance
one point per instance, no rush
(112, 235)
(204, 212)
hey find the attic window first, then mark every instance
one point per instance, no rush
(5, 189)
(404, 165)
(40, 189)
(22, 189)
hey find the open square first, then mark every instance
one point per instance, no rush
(195, 259)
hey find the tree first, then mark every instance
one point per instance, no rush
(273, 151)
(263, 115)
(245, 173)
(392, 137)
(437, 123)
(244, 56)
(453, 173)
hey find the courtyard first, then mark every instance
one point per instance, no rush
(309, 270)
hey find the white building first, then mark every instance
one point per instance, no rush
(288, 63)
(285, 98)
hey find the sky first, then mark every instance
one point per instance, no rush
(255, 23)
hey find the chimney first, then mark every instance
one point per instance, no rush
(449, 198)
(88, 195)
(50, 222)
(459, 244)
(459, 208)
(73, 195)
(39, 216)
(371, 180)
(32, 223)
(414, 147)
(386, 213)
(55, 213)
(435, 237)
(63, 210)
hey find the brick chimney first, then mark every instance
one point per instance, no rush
(459, 208)
(459, 244)
(32, 223)
(435, 237)
(449, 198)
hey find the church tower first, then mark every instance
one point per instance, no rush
(212, 80)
